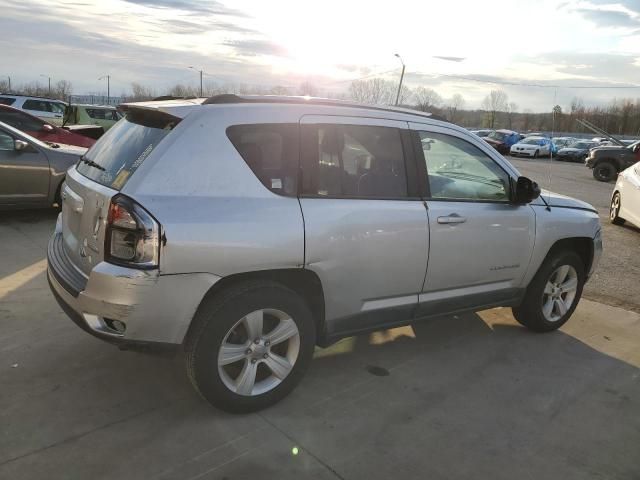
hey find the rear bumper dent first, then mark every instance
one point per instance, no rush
(155, 308)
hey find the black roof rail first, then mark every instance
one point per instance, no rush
(172, 97)
(230, 98)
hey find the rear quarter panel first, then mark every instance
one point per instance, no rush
(217, 216)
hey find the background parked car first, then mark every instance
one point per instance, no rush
(47, 109)
(625, 200)
(482, 132)
(562, 142)
(502, 140)
(608, 161)
(533, 147)
(103, 115)
(32, 171)
(40, 129)
(576, 152)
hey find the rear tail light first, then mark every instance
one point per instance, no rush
(132, 236)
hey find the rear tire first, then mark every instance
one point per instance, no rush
(260, 371)
(604, 172)
(614, 210)
(553, 294)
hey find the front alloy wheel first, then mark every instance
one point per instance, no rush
(614, 211)
(559, 293)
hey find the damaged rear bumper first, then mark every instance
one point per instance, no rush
(152, 308)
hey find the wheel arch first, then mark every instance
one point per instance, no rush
(583, 246)
(304, 282)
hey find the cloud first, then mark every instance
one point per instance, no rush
(197, 6)
(609, 18)
(450, 59)
(253, 47)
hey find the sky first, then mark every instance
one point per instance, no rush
(448, 46)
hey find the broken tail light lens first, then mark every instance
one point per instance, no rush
(132, 236)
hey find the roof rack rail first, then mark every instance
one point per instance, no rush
(172, 97)
(230, 98)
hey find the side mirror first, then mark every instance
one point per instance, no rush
(47, 128)
(525, 191)
(20, 145)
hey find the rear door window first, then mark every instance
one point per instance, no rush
(7, 101)
(358, 161)
(271, 151)
(35, 105)
(125, 146)
(21, 121)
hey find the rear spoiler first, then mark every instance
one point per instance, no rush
(178, 108)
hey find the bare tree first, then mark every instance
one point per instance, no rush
(375, 91)
(496, 101)
(455, 104)
(140, 92)
(4, 86)
(427, 99)
(308, 88)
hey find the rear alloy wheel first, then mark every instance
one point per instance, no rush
(553, 294)
(604, 172)
(614, 210)
(250, 346)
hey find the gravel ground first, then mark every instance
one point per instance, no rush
(615, 282)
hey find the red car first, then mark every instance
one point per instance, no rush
(40, 129)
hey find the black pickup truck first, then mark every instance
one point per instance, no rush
(608, 161)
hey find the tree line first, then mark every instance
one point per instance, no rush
(619, 116)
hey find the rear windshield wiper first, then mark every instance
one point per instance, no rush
(91, 163)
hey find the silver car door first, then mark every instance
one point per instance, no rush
(24, 174)
(481, 244)
(366, 235)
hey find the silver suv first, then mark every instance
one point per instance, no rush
(248, 230)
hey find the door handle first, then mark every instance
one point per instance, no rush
(452, 218)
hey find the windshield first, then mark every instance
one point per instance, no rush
(120, 151)
(531, 141)
(582, 145)
(497, 135)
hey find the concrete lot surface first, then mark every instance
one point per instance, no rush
(472, 396)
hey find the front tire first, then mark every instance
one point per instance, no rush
(614, 210)
(604, 172)
(553, 294)
(250, 346)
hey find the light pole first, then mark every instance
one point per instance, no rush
(48, 77)
(401, 78)
(193, 68)
(108, 77)
(9, 83)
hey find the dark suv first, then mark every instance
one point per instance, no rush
(610, 160)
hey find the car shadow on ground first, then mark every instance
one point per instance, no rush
(441, 398)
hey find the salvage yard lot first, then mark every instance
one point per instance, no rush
(471, 396)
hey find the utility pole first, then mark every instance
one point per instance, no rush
(401, 78)
(193, 68)
(48, 77)
(9, 83)
(108, 77)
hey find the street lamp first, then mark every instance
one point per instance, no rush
(48, 77)
(193, 68)
(108, 77)
(401, 78)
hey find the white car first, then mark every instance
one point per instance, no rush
(48, 109)
(625, 201)
(531, 147)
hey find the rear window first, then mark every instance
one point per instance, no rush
(271, 151)
(102, 114)
(7, 101)
(125, 146)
